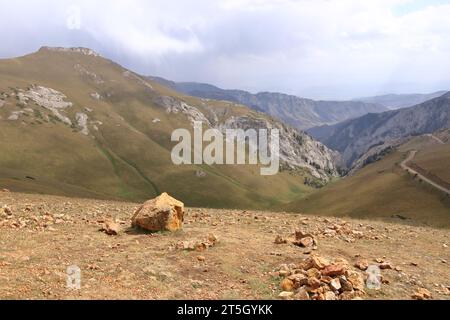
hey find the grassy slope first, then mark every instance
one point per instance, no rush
(130, 156)
(380, 190)
(433, 158)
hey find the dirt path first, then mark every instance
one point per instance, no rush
(435, 138)
(405, 166)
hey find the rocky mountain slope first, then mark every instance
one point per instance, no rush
(299, 112)
(74, 123)
(386, 188)
(354, 138)
(398, 101)
(254, 256)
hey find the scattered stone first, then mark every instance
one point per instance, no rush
(362, 264)
(315, 262)
(422, 294)
(285, 295)
(280, 240)
(356, 280)
(307, 242)
(163, 213)
(335, 284)
(111, 228)
(301, 294)
(287, 285)
(329, 295)
(334, 270)
(385, 265)
(201, 258)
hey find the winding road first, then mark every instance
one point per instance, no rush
(405, 166)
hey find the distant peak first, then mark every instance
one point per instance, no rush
(80, 50)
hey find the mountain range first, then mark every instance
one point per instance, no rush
(299, 112)
(398, 101)
(75, 123)
(353, 138)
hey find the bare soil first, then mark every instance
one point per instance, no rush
(40, 236)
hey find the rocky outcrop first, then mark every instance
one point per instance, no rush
(47, 98)
(176, 106)
(80, 50)
(82, 120)
(163, 213)
(297, 149)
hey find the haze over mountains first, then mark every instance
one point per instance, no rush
(397, 101)
(353, 138)
(299, 112)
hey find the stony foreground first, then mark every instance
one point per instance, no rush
(220, 254)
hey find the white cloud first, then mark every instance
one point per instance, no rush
(320, 48)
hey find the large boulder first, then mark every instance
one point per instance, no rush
(163, 213)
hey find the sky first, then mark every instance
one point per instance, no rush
(322, 49)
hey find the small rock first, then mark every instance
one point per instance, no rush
(285, 295)
(287, 285)
(335, 284)
(334, 270)
(201, 258)
(301, 294)
(280, 240)
(362, 264)
(422, 294)
(329, 295)
(111, 228)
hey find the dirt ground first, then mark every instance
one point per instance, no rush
(40, 236)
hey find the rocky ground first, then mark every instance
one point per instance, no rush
(220, 254)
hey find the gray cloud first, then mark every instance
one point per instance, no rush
(320, 49)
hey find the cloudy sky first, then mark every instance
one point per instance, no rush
(312, 48)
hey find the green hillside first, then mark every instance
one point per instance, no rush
(126, 154)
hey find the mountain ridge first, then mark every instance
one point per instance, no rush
(302, 113)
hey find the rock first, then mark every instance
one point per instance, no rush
(315, 262)
(335, 284)
(7, 210)
(422, 294)
(334, 270)
(298, 279)
(385, 265)
(329, 295)
(313, 283)
(5, 190)
(356, 280)
(314, 273)
(301, 294)
(201, 258)
(111, 228)
(285, 295)
(345, 284)
(306, 242)
(163, 213)
(287, 285)
(280, 240)
(362, 264)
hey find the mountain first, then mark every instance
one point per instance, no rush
(74, 123)
(353, 138)
(398, 101)
(385, 190)
(299, 112)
